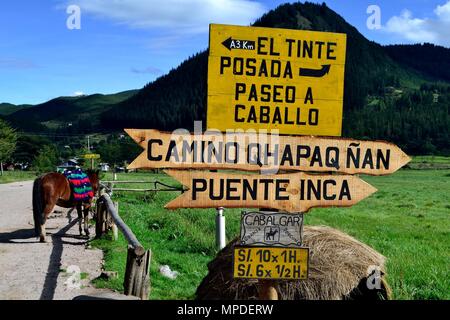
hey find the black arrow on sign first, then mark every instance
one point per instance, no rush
(318, 73)
(238, 44)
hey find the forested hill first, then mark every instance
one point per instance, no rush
(74, 114)
(174, 100)
(8, 108)
(389, 93)
(426, 58)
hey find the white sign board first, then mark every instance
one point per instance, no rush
(271, 229)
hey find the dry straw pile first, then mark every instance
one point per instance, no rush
(338, 269)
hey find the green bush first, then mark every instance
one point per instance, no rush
(46, 160)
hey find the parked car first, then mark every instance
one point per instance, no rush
(104, 167)
(120, 169)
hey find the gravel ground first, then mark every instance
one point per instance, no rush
(32, 270)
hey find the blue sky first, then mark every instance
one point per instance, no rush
(125, 44)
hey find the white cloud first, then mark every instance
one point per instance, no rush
(443, 12)
(183, 16)
(78, 94)
(147, 70)
(435, 30)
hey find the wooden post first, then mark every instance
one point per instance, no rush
(115, 232)
(110, 187)
(100, 222)
(266, 290)
(114, 228)
(137, 277)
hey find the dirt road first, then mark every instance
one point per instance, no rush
(60, 269)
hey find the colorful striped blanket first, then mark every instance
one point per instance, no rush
(80, 185)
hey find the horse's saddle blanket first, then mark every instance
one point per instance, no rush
(80, 184)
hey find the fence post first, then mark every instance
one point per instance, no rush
(137, 277)
(109, 186)
(266, 290)
(114, 228)
(100, 221)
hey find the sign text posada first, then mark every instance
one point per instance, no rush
(255, 152)
(266, 78)
(294, 192)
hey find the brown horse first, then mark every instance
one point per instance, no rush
(54, 189)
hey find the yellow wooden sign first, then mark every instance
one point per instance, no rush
(266, 78)
(255, 152)
(270, 263)
(91, 156)
(293, 192)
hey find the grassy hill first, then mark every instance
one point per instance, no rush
(8, 108)
(81, 113)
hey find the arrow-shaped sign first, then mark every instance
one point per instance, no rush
(256, 152)
(295, 192)
(317, 73)
(231, 43)
(91, 156)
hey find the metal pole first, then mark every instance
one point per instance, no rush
(220, 229)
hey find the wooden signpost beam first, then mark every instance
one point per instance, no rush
(254, 152)
(293, 192)
(266, 288)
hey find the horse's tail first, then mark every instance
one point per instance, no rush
(38, 206)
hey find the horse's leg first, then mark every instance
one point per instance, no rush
(80, 218)
(86, 219)
(47, 210)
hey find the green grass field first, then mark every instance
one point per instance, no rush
(429, 162)
(407, 220)
(13, 176)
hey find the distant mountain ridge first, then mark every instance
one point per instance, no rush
(80, 112)
(9, 108)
